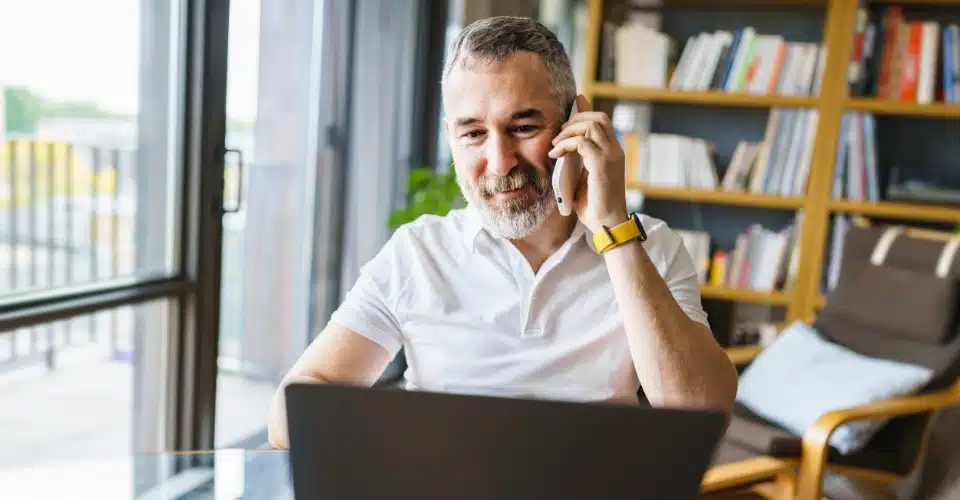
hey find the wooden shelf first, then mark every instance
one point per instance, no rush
(885, 107)
(738, 99)
(734, 198)
(744, 295)
(897, 210)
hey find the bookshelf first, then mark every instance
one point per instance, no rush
(706, 97)
(717, 197)
(832, 99)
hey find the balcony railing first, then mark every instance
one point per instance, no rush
(66, 218)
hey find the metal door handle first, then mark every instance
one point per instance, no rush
(240, 168)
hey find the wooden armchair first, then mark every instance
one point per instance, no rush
(883, 320)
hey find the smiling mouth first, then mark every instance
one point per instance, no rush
(513, 192)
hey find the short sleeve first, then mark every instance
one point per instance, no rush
(369, 307)
(680, 275)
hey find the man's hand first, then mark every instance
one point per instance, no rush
(601, 198)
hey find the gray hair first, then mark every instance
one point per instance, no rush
(494, 38)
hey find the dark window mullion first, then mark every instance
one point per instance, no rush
(30, 312)
(204, 134)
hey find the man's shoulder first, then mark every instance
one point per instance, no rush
(658, 231)
(428, 226)
(431, 232)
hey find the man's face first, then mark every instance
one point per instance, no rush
(500, 120)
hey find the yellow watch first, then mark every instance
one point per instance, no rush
(615, 236)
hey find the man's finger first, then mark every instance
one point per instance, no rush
(581, 145)
(592, 129)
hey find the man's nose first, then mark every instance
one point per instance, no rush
(501, 155)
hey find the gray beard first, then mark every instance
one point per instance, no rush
(514, 224)
(513, 219)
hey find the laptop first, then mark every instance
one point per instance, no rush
(349, 443)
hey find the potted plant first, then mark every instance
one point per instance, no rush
(429, 192)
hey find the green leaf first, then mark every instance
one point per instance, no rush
(419, 177)
(429, 192)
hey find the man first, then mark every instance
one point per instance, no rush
(507, 296)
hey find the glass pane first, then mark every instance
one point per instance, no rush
(87, 156)
(269, 93)
(82, 389)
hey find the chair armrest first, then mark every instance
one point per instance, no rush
(743, 354)
(815, 439)
(742, 473)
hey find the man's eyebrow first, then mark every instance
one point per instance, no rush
(527, 113)
(463, 122)
(519, 115)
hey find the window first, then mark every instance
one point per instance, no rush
(91, 180)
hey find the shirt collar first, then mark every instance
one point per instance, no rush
(473, 228)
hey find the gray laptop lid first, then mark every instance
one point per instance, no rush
(360, 443)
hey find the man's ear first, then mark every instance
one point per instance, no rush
(447, 131)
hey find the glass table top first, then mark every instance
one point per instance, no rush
(221, 474)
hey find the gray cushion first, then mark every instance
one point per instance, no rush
(901, 303)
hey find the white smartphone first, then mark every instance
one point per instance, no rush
(566, 176)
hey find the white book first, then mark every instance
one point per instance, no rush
(793, 59)
(721, 40)
(805, 76)
(927, 79)
(679, 73)
(800, 179)
(641, 56)
(695, 71)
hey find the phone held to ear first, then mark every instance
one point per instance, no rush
(566, 176)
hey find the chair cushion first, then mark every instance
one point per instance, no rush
(902, 303)
(801, 376)
(729, 452)
(750, 433)
(749, 430)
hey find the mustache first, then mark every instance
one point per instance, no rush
(517, 178)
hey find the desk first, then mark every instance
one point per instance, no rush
(223, 474)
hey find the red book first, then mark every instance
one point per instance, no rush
(891, 27)
(911, 62)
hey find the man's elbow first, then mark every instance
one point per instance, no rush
(725, 396)
(276, 422)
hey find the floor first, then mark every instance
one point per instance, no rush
(85, 409)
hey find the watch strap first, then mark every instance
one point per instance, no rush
(612, 237)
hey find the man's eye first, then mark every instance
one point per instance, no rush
(473, 134)
(525, 129)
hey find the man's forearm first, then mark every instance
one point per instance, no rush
(277, 433)
(678, 361)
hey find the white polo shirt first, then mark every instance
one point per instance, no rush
(473, 318)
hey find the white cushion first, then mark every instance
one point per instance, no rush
(801, 376)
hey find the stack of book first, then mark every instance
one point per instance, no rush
(751, 62)
(669, 160)
(780, 163)
(698, 245)
(904, 60)
(855, 170)
(762, 260)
